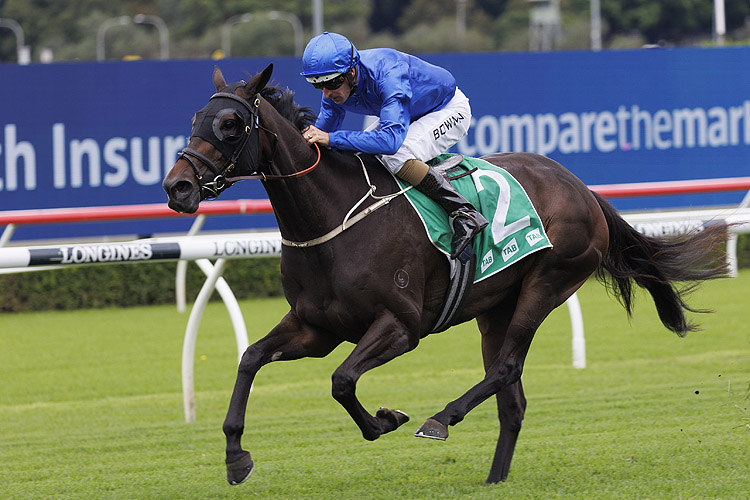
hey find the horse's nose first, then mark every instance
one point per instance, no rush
(181, 194)
(180, 189)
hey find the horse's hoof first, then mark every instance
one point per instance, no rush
(432, 429)
(396, 417)
(239, 470)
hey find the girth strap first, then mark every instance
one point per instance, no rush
(462, 279)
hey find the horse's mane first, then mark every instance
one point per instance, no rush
(282, 99)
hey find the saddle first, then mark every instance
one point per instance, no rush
(515, 232)
(451, 168)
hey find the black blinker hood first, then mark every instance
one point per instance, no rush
(239, 151)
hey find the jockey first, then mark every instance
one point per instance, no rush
(421, 112)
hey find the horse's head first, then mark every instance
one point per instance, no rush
(224, 143)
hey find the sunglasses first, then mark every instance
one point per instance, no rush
(331, 84)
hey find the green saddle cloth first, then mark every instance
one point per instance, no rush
(514, 232)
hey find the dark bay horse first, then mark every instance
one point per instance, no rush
(380, 283)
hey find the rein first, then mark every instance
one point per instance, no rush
(265, 177)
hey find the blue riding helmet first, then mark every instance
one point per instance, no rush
(327, 56)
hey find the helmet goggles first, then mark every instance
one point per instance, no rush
(335, 81)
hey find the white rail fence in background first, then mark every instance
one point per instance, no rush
(183, 249)
(662, 223)
(202, 248)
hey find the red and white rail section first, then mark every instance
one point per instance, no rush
(672, 187)
(680, 221)
(203, 248)
(129, 212)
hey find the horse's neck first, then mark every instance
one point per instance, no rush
(311, 205)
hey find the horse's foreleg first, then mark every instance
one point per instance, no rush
(386, 339)
(287, 341)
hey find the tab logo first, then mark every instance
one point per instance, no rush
(510, 250)
(534, 237)
(487, 261)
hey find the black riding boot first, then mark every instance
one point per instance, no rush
(467, 222)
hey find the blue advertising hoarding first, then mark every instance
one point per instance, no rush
(91, 134)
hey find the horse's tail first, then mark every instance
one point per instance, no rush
(657, 264)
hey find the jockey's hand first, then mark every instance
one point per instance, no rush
(313, 134)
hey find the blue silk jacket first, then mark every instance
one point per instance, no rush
(396, 87)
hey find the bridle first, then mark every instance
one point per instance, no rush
(240, 152)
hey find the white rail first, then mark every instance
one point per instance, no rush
(197, 248)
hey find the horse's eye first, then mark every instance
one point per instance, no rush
(230, 124)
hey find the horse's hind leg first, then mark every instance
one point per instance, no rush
(504, 353)
(501, 371)
(511, 406)
(541, 292)
(290, 339)
(511, 402)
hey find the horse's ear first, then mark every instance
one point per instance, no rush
(219, 81)
(259, 81)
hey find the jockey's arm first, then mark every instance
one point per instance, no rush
(387, 138)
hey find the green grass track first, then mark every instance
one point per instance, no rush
(91, 408)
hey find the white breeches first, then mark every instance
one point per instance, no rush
(433, 134)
